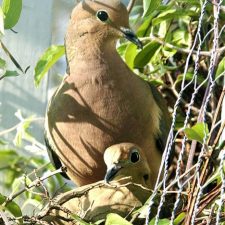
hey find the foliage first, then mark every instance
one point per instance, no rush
(167, 32)
(10, 12)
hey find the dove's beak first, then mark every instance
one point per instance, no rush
(131, 36)
(111, 172)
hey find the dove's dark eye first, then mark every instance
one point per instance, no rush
(146, 177)
(134, 156)
(102, 15)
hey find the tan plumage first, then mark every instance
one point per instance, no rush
(127, 159)
(125, 192)
(94, 201)
(101, 102)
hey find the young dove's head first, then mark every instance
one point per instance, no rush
(100, 21)
(127, 159)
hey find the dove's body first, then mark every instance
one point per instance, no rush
(100, 102)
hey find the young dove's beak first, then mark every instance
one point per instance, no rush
(111, 172)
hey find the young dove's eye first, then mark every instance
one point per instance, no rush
(102, 15)
(134, 157)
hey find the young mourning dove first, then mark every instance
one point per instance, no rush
(127, 159)
(101, 102)
(128, 173)
(94, 201)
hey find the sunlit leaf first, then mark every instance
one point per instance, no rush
(197, 132)
(11, 206)
(2, 30)
(221, 68)
(47, 60)
(172, 14)
(12, 10)
(7, 157)
(9, 73)
(161, 222)
(121, 49)
(14, 209)
(179, 218)
(188, 77)
(145, 55)
(130, 54)
(114, 219)
(149, 6)
(2, 63)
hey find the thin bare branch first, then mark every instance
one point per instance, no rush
(35, 183)
(130, 6)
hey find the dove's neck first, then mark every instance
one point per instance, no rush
(90, 53)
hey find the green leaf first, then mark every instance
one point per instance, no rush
(2, 31)
(144, 29)
(22, 128)
(12, 10)
(47, 60)
(2, 63)
(173, 14)
(161, 222)
(145, 55)
(189, 77)
(114, 219)
(2, 142)
(78, 219)
(11, 207)
(130, 54)
(220, 68)
(11, 57)
(150, 6)
(121, 49)
(7, 157)
(10, 73)
(179, 218)
(197, 132)
(14, 209)
(2, 199)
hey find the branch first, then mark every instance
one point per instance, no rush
(35, 183)
(186, 51)
(17, 125)
(4, 218)
(130, 5)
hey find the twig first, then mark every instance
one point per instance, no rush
(186, 51)
(130, 6)
(4, 218)
(17, 125)
(217, 111)
(81, 191)
(35, 183)
(209, 198)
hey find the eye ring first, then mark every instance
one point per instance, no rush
(134, 156)
(102, 15)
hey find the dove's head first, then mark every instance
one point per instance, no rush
(127, 159)
(101, 21)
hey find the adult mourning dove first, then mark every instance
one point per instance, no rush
(101, 102)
